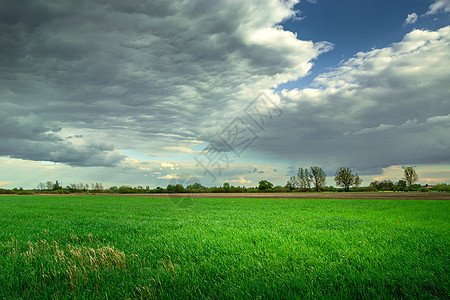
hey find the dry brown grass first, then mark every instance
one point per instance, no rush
(79, 263)
(71, 263)
(167, 265)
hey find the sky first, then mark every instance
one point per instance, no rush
(157, 92)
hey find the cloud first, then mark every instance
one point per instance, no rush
(131, 172)
(86, 84)
(180, 149)
(383, 107)
(430, 174)
(438, 6)
(379, 128)
(170, 176)
(30, 137)
(411, 19)
(169, 165)
(153, 76)
(241, 181)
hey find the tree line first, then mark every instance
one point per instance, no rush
(317, 177)
(345, 178)
(306, 180)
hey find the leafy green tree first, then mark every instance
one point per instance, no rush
(411, 176)
(442, 187)
(387, 185)
(384, 185)
(265, 185)
(345, 178)
(125, 189)
(400, 185)
(195, 187)
(57, 186)
(318, 177)
(175, 188)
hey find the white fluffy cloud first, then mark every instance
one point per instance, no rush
(382, 107)
(438, 6)
(411, 19)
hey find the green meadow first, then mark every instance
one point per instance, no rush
(159, 248)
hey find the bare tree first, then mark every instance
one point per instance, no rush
(49, 185)
(292, 183)
(41, 186)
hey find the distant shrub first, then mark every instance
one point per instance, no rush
(126, 189)
(3, 191)
(370, 189)
(442, 187)
(25, 193)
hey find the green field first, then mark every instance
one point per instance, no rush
(132, 247)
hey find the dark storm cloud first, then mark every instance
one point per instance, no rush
(131, 71)
(172, 74)
(34, 139)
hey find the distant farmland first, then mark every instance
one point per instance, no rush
(173, 248)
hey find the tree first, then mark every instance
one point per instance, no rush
(304, 178)
(124, 189)
(318, 177)
(400, 185)
(345, 178)
(385, 185)
(265, 185)
(49, 185)
(292, 183)
(41, 186)
(57, 186)
(411, 176)
(195, 187)
(175, 188)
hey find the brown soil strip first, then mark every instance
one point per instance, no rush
(409, 196)
(381, 195)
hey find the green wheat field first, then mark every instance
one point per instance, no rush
(163, 248)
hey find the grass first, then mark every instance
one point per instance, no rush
(149, 248)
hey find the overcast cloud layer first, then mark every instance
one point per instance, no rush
(119, 73)
(82, 83)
